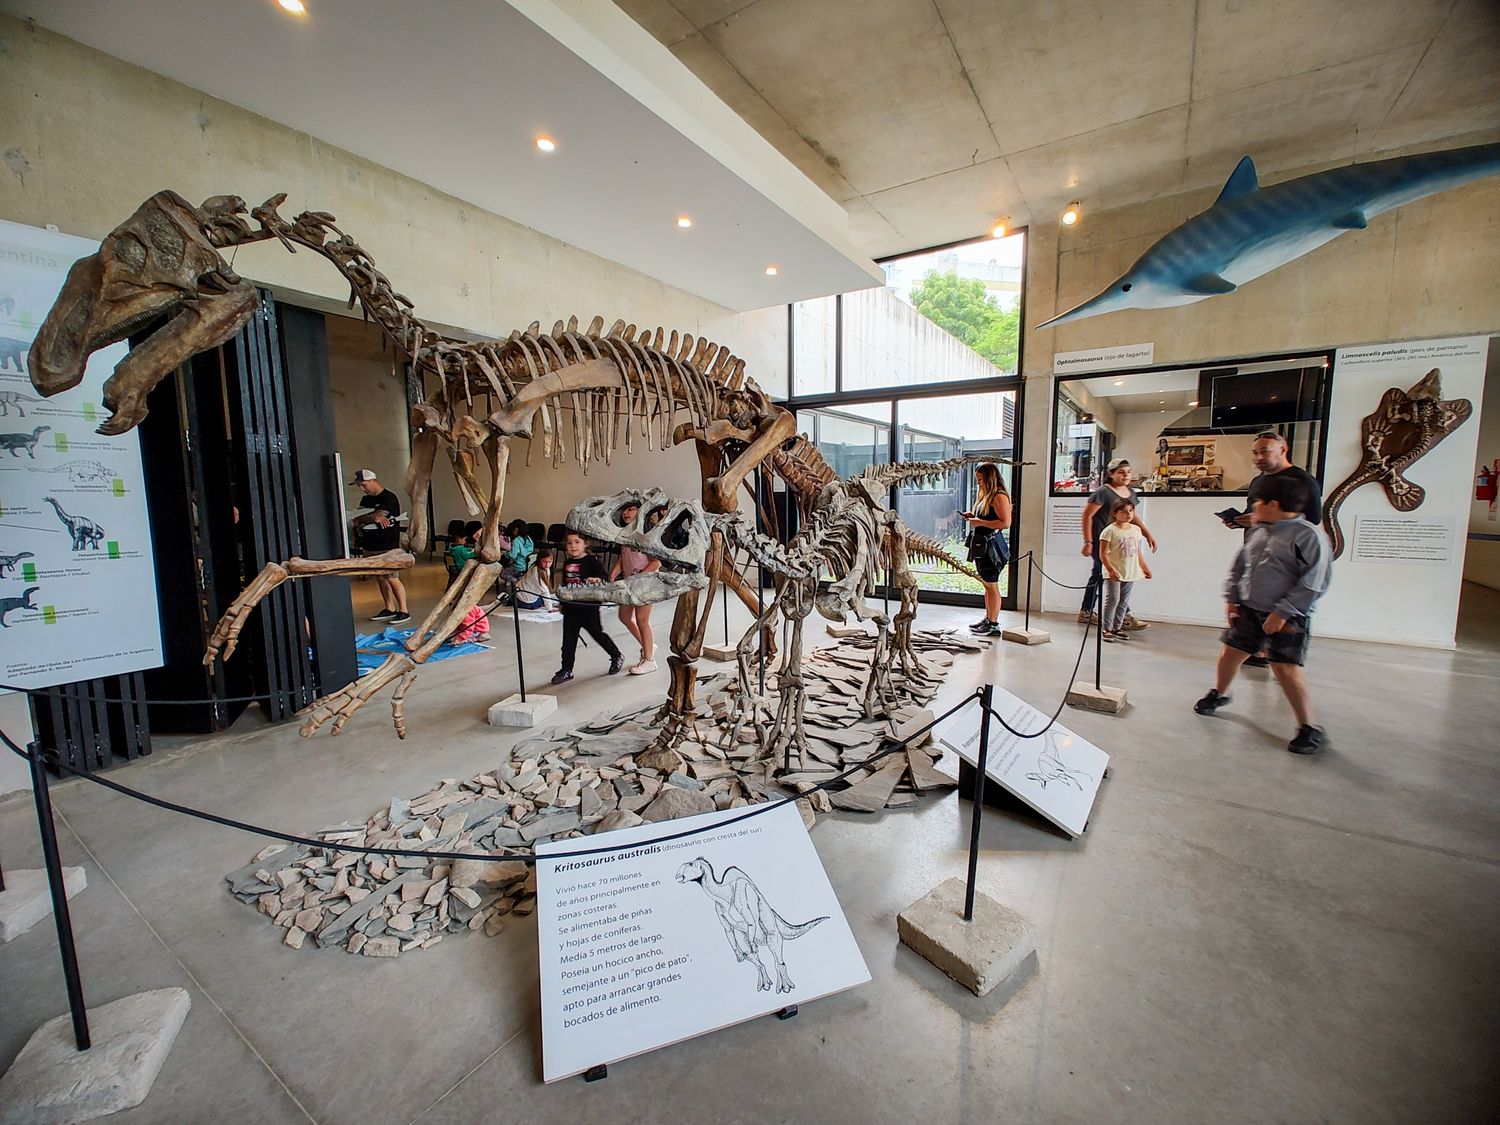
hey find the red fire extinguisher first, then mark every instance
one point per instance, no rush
(1487, 483)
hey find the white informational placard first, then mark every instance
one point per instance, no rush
(77, 579)
(1112, 358)
(649, 946)
(1056, 774)
(1400, 574)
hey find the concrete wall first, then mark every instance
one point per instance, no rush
(1430, 269)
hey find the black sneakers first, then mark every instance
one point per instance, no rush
(1211, 702)
(398, 619)
(981, 627)
(384, 615)
(562, 677)
(1309, 740)
(616, 662)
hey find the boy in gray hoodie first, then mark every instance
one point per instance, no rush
(1280, 572)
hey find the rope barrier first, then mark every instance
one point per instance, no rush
(524, 857)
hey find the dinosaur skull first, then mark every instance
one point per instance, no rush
(676, 532)
(161, 261)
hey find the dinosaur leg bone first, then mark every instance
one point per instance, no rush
(226, 634)
(401, 668)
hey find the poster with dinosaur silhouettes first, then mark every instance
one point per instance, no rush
(647, 940)
(77, 578)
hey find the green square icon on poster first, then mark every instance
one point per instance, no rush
(118, 488)
(113, 547)
(28, 572)
(49, 614)
(60, 442)
(89, 412)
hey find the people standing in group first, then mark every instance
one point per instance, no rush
(377, 531)
(1279, 574)
(1096, 517)
(990, 517)
(1124, 562)
(1270, 454)
(582, 569)
(637, 618)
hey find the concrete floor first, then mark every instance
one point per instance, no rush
(1242, 935)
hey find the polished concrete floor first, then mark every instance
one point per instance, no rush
(1241, 935)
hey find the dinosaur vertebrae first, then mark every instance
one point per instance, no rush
(661, 373)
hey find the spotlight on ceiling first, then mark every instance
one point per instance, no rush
(546, 144)
(1000, 229)
(296, 7)
(1119, 382)
(772, 271)
(1193, 402)
(1070, 216)
(684, 222)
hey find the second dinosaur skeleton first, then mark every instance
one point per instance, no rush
(848, 536)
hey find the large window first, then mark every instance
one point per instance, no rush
(1187, 429)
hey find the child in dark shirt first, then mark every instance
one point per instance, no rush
(582, 569)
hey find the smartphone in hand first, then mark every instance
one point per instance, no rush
(1229, 515)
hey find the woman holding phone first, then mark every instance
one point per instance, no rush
(990, 517)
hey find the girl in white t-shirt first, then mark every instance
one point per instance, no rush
(1124, 563)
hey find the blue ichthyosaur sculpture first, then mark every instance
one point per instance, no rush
(1250, 230)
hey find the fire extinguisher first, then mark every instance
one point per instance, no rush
(1487, 483)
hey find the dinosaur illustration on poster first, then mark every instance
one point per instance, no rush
(1250, 230)
(750, 922)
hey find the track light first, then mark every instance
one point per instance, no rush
(1070, 216)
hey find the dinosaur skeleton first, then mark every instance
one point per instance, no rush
(848, 535)
(1406, 426)
(603, 389)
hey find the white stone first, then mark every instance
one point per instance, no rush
(1110, 700)
(52, 1081)
(26, 900)
(724, 654)
(512, 712)
(981, 954)
(1027, 636)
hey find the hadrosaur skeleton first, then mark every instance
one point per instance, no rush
(617, 386)
(1405, 427)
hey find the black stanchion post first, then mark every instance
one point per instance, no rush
(760, 586)
(1030, 565)
(724, 595)
(1098, 636)
(60, 914)
(986, 699)
(515, 616)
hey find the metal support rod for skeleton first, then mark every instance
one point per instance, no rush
(515, 616)
(55, 884)
(986, 701)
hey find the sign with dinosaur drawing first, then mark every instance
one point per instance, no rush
(647, 941)
(1056, 773)
(77, 579)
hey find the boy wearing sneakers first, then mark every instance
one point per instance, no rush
(1280, 572)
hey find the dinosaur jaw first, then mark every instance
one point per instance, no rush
(640, 589)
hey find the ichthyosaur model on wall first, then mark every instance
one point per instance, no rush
(1250, 230)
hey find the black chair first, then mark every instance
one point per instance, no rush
(555, 534)
(454, 534)
(538, 533)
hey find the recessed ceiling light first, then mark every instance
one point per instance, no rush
(296, 7)
(1071, 215)
(1119, 382)
(546, 144)
(684, 222)
(999, 229)
(1193, 402)
(772, 271)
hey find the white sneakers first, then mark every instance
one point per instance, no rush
(642, 668)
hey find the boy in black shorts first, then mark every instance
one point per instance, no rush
(1280, 572)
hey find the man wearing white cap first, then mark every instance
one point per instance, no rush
(378, 531)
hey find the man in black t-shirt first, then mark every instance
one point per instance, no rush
(1270, 456)
(377, 532)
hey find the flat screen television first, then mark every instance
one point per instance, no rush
(1261, 398)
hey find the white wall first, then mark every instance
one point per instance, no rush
(1482, 562)
(371, 429)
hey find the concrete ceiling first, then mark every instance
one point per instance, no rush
(454, 94)
(930, 119)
